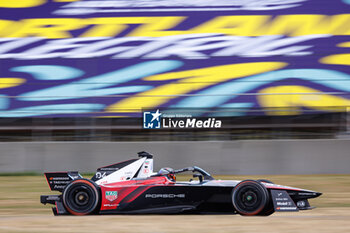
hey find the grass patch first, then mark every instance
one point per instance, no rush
(20, 174)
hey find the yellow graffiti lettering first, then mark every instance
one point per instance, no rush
(190, 80)
(289, 100)
(104, 27)
(49, 28)
(57, 28)
(7, 26)
(344, 44)
(337, 59)
(21, 3)
(246, 25)
(292, 25)
(300, 25)
(10, 82)
(159, 27)
(254, 25)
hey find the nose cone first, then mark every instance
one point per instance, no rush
(305, 194)
(317, 194)
(310, 194)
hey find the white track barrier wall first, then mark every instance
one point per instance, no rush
(217, 157)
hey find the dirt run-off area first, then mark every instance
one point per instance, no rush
(21, 211)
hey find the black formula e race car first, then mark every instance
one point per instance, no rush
(131, 187)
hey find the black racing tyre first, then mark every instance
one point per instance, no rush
(81, 197)
(265, 181)
(268, 210)
(249, 197)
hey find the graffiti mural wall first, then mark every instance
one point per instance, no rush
(117, 57)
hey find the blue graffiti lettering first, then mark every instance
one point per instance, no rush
(97, 86)
(218, 95)
(4, 102)
(48, 72)
(233, 109)
(52, 109)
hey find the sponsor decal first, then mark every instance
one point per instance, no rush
(59, 182)
(282, 201)
(60, 178)
(100, 175)
(286, 203)
(307, 194)
(165, 196)
(111, 195)
(301, 204)
(286, 208)
(110, 205)
(108, 169)
(59, 187)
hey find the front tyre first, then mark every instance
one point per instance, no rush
(249, 197)
(81, 197)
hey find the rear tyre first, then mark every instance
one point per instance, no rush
(81, 197)
(249, 198)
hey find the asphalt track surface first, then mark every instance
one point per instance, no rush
(20, 211)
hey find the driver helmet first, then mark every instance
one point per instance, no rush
(168, 172)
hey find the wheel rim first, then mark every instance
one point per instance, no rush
(249, 198)
(80, 198)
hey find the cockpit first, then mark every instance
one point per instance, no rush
(198, 172)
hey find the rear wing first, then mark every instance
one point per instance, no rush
(57, 181)
(127, 170)
(122, 171)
